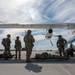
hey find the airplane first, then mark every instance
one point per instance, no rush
(49, 27)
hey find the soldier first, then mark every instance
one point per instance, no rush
(18, 48)
(70, 50)
(28, 39)
(7, 44)
(60, 44)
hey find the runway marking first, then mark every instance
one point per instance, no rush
(65, 70)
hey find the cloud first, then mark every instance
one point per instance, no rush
(37, 11)
(10, 9)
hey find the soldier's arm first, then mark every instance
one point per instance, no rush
(33, 40)
(15, 44)
(20, 44)
(65, 41)
(57, 44)
(9, 41)
(24, 39)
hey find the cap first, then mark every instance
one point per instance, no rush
(59, 35)
(8, 35)
(29, 31)
(17, 37)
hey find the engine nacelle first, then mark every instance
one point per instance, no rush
(49, 34)
(50, 30)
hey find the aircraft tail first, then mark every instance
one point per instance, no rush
(70, 41)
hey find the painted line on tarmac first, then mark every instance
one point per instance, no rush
(64, 70)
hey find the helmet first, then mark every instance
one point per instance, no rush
(8, 35)
(44, 55)
(59, 35)
(17, 37)
(29, 31)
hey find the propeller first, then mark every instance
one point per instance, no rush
(51, 42)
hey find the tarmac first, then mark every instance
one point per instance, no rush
(42, 67)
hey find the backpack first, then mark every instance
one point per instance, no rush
(3, 41)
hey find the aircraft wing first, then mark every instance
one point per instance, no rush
(39, 26)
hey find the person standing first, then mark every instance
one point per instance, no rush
(29, 40)
(7, 44)
(60, 44)
(18, 48)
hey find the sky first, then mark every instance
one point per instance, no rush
(34, 12)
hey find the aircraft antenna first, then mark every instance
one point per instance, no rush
(25, 32)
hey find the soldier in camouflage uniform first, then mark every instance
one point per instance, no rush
(18, 47)
(60, 44)
(29, 40)
(7, 44)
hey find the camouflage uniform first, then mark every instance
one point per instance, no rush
(7, 44)
(60, 44)
(28, 39)
(18, 47)
(70, 50)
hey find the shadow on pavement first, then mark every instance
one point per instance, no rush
(51, 61)
(33, 67)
